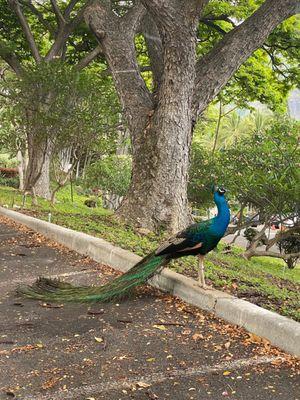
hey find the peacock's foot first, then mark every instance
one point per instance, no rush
(204, 286)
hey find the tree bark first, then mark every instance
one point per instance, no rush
(21, 169)
(42, 185)
(157, 196)
(37, 178)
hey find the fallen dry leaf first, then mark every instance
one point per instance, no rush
(160, 327)
(49, 305)
(197, 336)
(50, 382)
(143, 384)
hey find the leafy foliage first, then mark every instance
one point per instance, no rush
(112, 173)
(259, 170)
(10, 182)
(43, 24)
(201, 177)
(221, 125)
(270, 73)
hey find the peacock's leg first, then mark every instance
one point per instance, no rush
(201, 278)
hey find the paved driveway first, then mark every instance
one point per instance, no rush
(149, 347)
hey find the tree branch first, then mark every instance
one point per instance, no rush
(64, 32)
(263, 253)
(170, 12)
(27, 32)
(282, 235)
(39, 15)
(216, 27)
(89, 58)
(222, 17)
(12, 60)
(69, 8)
(133, 17)
(275, 66)
(59, 17)
(215, 68)
(116, 37)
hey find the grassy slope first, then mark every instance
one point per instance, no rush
(263, 280)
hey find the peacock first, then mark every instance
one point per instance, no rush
(197, 239)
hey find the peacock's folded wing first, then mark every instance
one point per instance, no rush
(186, 239)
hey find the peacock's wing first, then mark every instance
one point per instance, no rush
(193, 235)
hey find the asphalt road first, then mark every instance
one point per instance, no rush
(151, 346)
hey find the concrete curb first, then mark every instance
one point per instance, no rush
(280, 331)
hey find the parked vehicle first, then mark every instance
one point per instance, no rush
(282, 221)
(289, 223)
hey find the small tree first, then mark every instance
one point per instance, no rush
(64, 108)
(261, 172)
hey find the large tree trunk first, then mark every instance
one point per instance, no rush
(160, 128)
(157, 195)
(158, 192)
(37, 178)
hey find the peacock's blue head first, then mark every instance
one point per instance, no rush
(219, 197)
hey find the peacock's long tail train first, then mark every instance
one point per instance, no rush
(55, 290)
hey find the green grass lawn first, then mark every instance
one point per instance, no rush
(262, 280)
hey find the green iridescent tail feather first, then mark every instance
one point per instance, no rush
(54, 290)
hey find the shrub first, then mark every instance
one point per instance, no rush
(11, 181)
(290, 245)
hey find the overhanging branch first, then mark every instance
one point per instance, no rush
(116, 37)
(262, 253)
(38, 14)
(65, 30)
(70, 8)
(12, 60)
(26, 29)
(89, 58)
(59, 17)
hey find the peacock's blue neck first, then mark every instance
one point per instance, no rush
(221, 221)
